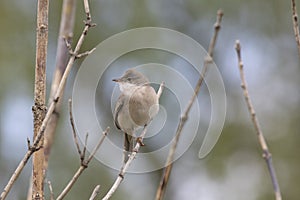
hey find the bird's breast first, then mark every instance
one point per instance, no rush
(143, 105)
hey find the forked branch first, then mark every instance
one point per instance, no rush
(62, 55)
(56, 98)
(84, 162)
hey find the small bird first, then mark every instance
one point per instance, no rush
(135, 108)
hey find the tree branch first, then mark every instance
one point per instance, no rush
(62, 55)
(83, 166)
(51, 190)
(83, 163)
(295, 25)
(39, 108)
(74, 130)
(261, 139)
(52, 105)
(121, 175)
(167, 170)
(95, 193)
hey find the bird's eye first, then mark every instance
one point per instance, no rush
(129, 79)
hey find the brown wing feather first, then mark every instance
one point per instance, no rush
(118, 107)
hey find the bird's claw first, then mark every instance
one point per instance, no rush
(140, 140)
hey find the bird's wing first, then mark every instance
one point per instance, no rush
(118, 107)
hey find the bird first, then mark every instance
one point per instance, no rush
(135, 107)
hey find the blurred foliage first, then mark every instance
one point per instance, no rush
(234, 169)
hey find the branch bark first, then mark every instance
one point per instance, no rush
(167, 170)
(295, 25)
(56, 98)
(39, 108)
(261, 139)
(62, 55)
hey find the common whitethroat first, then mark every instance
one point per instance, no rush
(136, 106)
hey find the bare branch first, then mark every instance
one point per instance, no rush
(97, 146)
(16, 174)
(87, 9)
(95, 193)
(85, 145)
(261, 139)
(295, 25)
(83, 166)
(160, 90)
(56, 98)
(73, 129)
(85, 53)
(39, 107)
(51, 190)
(121, 175)
(62, 55)
(71, 183)
(68, 45)
(136, 149)
(167, 170)
(28, 143)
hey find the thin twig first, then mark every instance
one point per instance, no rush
(71, 182)
(62, 55)
(84, 163)
(87, 9)
(51, 190)
(261, 139)
(160, 90)
(74, 130)
(167, 170)
(85, 53)
(83, 166)
(51, 108)
(136, 149)
(97, 146)
(95, 193)
(68, 44)
(121, 175)
(85, 145)
(295, 25)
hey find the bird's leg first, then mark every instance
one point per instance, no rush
(140, 140)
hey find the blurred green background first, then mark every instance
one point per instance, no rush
(234, 169)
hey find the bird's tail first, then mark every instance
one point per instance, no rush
(128, 146)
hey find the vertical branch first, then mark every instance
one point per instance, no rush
(295, 25)
(167, 170)
(62, 55)
(39, 108)
(35, 145)
(261, 139)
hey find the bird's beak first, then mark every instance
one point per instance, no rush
(116, 80)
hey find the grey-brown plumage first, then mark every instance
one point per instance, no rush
(136, 106)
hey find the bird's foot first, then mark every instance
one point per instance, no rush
(140, 140)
